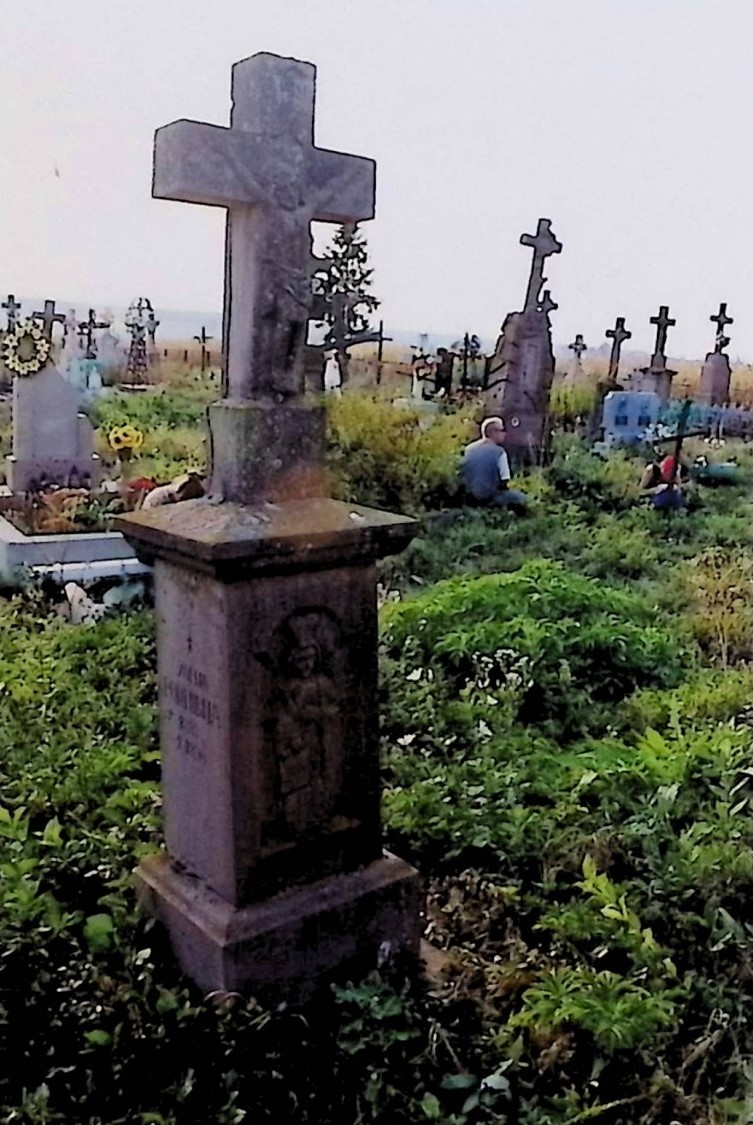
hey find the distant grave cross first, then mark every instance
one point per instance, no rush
(152, 325)
(547, 305)
(49, 317)
(13, 307)
(578, 346)
(543, 244)
(618, 335)
(663, 321)
(203, 339)
(273, 180)
(721, 320)
(86, 329)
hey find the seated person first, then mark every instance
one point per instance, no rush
(485, 469)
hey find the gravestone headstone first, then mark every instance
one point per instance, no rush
(716, 373)
(519, 374)
(629, 415)
(52, 439)
(266, 596)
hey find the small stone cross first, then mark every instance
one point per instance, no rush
(578, 346)
(203, 339)
(152, 325)
(546, 304)
(273, 180)
(86, 330)
(721, 320)
(618, 335)
(543, 244)
(13, 308)
(48, 317)
(663, 321)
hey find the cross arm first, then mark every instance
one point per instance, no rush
(199, 163)
(342, 186)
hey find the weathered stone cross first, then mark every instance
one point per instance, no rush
(543, 244)
(86, 332)
(578, 346)
(721, 320)
(618, 335)
(663, 321)
(48, 317)
(13, 307)
(273, 181)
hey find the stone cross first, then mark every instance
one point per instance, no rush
(721, 320)
(543, 244)
(663, 321)
(86, 331)
(48, 317)
(273, 180)
(547, 305)
(13, 308)
(578, 346)
(618, 335)
(152, 325)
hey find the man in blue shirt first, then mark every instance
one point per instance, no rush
(485, 469)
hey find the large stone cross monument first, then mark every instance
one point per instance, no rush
(520, 372)
(266, 597)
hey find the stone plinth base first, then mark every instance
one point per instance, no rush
(284, 947)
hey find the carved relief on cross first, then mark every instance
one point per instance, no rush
(618, 335)
(721, 320)
(663, 321)
(273, 180)
(543, 244)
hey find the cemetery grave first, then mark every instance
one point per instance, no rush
(563, 763)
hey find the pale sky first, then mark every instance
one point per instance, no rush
(627, 122)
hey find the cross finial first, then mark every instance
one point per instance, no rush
(721, 320)
(273, 181)
(543, 244)
(663, 321)
(618, 335)
(49, 317)
(578, 346)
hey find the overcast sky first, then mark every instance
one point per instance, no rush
(627, 122)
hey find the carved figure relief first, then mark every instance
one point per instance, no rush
(305, 721)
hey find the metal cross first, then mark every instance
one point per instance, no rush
(273, 180)
(721, 320)
(13, 307)
(663, 321)
(578, 346)
(618, 335)
(203, 339)
(48, 317)
(543, 244)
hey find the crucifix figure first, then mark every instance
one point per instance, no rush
(721, 320)
(267, 172)
(48, 318)
(86, 330)
(578, 346)
(13, 307)
(543, 244)
(663, 321)
(618, 335)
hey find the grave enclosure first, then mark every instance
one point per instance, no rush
(266, 597)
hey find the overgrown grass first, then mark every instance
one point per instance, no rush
(567, 743)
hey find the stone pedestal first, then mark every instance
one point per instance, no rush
(267, 643)
(521, 373)
(715, 379)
